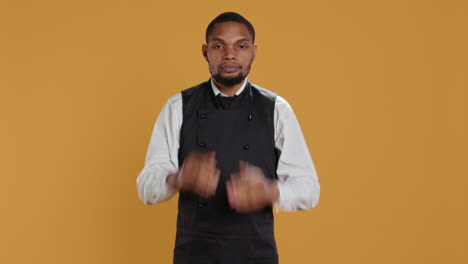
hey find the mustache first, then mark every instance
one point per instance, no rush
(224, 65)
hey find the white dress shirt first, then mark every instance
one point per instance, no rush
(298, 185)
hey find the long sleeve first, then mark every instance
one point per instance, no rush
(162, 154)
(297, 179)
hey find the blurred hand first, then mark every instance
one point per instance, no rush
(198, 174)
(249, 190)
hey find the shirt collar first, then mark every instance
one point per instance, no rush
(216, 90)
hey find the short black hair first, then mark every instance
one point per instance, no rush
(230, 17)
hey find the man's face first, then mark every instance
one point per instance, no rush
(229, 53)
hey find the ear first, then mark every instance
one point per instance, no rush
(254, 52)
(204, 51)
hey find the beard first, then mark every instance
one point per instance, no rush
(231, 81)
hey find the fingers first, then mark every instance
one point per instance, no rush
(249, 171)
(201, 174)
(206, 187)
(172, 180)
(248, 202)
(234, 190)
(231, 195)
(238, 193)
(213, 183)
(243, 168)
(211, 159)
(179, 178)
(209, 175)
(247, 190)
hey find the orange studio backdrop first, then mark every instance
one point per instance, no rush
(379, 88)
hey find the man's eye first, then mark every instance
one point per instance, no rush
(243, 46)
(218, 46)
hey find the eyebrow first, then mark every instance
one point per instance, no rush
(237, 41)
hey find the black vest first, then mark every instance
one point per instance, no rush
(245, 132)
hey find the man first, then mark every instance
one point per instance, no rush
(232, 150)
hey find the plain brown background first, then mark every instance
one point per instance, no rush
(379, 88)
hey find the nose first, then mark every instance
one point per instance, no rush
(229, 54)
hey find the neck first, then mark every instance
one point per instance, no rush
(229, 90)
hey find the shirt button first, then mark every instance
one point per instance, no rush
(203, 116)
(250, 118)
(201, 205)
(202, 145)
(246, 147)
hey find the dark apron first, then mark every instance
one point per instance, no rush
(208, 231)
